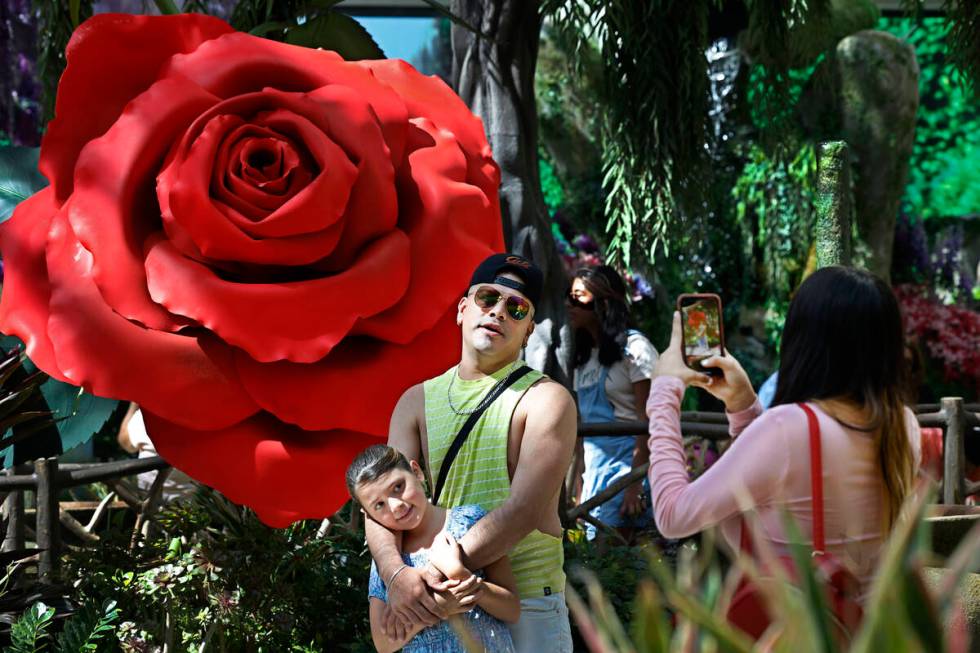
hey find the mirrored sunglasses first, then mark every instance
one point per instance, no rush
(487, 297)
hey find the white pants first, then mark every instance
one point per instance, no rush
(543, 626)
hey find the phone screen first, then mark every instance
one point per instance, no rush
(701, 319)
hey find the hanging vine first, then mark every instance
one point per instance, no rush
(654, 95)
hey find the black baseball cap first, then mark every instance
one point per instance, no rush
(532, 279)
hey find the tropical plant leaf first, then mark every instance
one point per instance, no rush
(812, 588)
(726, 636)
(337, 32)
(77, 414)
(650, 629)
(87, 628)
(167, 7)
(28, 634)
(74, 10)
(878, 629)
(19, 177)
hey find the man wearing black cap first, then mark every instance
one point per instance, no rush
(492, 432)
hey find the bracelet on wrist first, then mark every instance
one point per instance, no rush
(395, 573)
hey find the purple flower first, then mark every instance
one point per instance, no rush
(911, 249)
(586, 244)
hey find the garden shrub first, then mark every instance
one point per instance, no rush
(220, 577)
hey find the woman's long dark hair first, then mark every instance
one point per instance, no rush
(609, 294)
(843, 340)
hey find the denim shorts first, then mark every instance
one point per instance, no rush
(543, 626)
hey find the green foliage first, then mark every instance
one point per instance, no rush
(217, 577)
(652, 90)
(774, 205)
(903, 614)
(29, 634)
(944, 170)
(77, 414)
(250, 14)
(550, 186)
(56, 22)
(963, 19)
(19, 177)
(616, 568)
(86, 631)
(308, 23)
(338, 32)
(654, 94)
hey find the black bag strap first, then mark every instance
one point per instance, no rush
(468, 425)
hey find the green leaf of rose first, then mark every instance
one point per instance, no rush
(19, 177)
(77, 414)
(337, 32)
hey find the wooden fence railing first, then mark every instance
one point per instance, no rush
(46, 478)
(952, 415)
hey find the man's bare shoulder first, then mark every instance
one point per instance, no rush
(548, 394)
(547, 389)
(412, 400)
(410, 408)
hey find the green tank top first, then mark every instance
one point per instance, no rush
(479, 473)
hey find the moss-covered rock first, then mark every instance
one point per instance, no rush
(879, 97)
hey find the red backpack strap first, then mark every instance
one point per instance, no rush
(816, 479)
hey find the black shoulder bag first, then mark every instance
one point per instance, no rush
(468, 425)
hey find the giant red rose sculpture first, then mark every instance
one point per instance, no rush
(261, 244)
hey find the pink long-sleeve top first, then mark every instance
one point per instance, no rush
(767, 467)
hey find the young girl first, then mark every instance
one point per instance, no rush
(389, 489)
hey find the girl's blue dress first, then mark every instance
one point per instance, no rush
(486, 630)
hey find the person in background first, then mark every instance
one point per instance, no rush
(132, 437)
(842, 355)
(613, 365)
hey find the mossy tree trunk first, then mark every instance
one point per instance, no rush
(495, 77)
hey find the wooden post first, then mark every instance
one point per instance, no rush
(13, 510)
(954, 462)
(48, 524)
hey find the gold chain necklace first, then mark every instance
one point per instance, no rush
(484, 400)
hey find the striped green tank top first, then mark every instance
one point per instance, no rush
(479, 473)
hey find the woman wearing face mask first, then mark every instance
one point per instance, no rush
(613, 365)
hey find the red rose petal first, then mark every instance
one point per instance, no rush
(112, 58)
(357, 385)
(26, 288)
(283, 473)
(299, 321)
(253, 200)
(112, 357)
(189, 213)
(257, 201)
(452, 226)
(373, 204)
(239, 63)
(113, 207)
(429, 97)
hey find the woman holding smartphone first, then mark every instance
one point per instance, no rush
(842, 355)
(613, 365)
